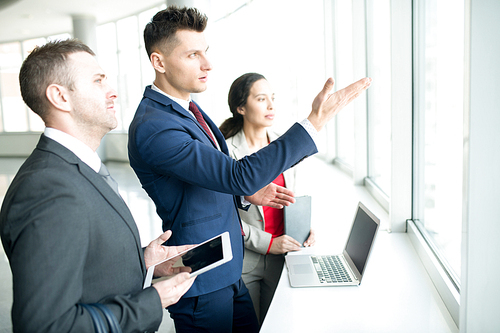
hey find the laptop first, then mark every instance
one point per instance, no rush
(345, 269)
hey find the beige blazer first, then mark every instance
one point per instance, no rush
(256, 239)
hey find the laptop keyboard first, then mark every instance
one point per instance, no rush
(330, 269)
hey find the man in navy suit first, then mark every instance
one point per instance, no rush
(182, 161)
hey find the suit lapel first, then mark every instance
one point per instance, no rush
(239, 145)
(115, 201)
(110, 196)
(215, 130)
(160, 98)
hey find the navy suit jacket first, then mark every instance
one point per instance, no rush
(196, 187)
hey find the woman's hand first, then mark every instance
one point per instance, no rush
(284, 244)
(311, 240)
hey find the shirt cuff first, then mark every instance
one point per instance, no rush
(310, 129)
(270, 244)
(244, 202)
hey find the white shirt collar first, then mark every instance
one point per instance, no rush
(180, 101)
(80, 149)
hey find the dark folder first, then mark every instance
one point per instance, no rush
(297, 218)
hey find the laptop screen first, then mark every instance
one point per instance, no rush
(361, 238)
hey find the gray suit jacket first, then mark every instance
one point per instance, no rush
(70, 239)
(256, 239)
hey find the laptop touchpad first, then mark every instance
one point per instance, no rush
(301, 269)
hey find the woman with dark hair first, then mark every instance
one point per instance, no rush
(251, 101)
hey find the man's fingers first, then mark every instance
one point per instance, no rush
(275, 205)
(164, 237)
(285, 198)
(284, 190)
(327, 88)
(351, 92)
(359, 86)
(325, 92)
(282, 201)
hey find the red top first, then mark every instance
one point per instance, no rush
(274, 217)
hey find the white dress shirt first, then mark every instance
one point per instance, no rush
(185, 106)
(80, 149)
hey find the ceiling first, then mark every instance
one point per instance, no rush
(25, 19)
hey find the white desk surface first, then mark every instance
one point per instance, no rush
(395, 295)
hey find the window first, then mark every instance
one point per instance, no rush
(343, 76)
(250, 39)
(121, 52)
(379, 94)
(14, 115)
(107, 51)
(438, 129)
(129, 75)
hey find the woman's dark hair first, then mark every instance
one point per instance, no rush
(237, 97)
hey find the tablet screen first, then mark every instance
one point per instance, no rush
(200, 258)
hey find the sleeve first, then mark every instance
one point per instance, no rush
(256, 239)
(171, 149)
(48, 256)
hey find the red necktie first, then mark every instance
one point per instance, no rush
(197, 114)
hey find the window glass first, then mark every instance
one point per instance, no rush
(251, 39)
(343, 77)
(439, 129)
(14, 112)
(107, 52)
(129, 72)
(147, 71)
(379, 94)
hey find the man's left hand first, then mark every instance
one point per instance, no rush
(273, 196)
(156, 252)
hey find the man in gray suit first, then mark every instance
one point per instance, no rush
(69, 237)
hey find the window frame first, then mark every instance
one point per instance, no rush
(444, 281)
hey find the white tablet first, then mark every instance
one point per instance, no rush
(200, 258)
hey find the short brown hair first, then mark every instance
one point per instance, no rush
(163, 26)
(44, 66)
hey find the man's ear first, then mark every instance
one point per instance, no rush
(156, 59)
(58, 96)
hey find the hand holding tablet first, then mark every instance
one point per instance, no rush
(197, 259)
